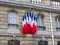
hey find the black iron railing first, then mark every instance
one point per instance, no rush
(41, 28)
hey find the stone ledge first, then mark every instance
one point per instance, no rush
(30, 5)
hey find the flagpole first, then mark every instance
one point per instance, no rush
(52, 32)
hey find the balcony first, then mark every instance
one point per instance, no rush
(40, 4)
(55, 4)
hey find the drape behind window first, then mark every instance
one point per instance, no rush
(40, 21)
(12, 18)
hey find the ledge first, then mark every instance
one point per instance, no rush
(30, 5)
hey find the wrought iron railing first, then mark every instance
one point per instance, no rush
(41, 28)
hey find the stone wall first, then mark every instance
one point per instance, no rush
(20, 12)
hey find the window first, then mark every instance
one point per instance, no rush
(56, 0)
(57, 23)
(58, 42)
(12, 20)
(13, 42)
(40, 20)
(40, 23)
(43, 42)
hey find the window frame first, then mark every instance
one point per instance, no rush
(41, 27)
(42, 42)
(11, 42)
(10, 24)
(57, 21)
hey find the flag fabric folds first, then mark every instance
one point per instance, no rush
(29, 23)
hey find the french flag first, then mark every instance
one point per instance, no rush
(33, 23)
(29, 25)
(26, 27)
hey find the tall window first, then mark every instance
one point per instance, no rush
(13, 42)
(43, 42)
(58, 42)
(12, 20)
(40, 23)
(57, 23)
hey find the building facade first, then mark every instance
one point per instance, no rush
(48, 24)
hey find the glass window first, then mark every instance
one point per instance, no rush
(12, 20)
(43, 42)
(40, 23)
(58, 42)
(13, 42)
(57, 23)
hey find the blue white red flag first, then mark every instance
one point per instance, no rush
(29, 25)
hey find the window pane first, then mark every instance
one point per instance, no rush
(12, 26)
(13, 42)
(12, 20)
(57, 22)
(58, 42)
(43, 42)
(40, 21)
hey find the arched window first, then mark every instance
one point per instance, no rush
(40, 22)
(57, 20)
(43, 42)
(12, 20)
(13, 42)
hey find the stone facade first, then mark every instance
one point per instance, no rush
(27, 40)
